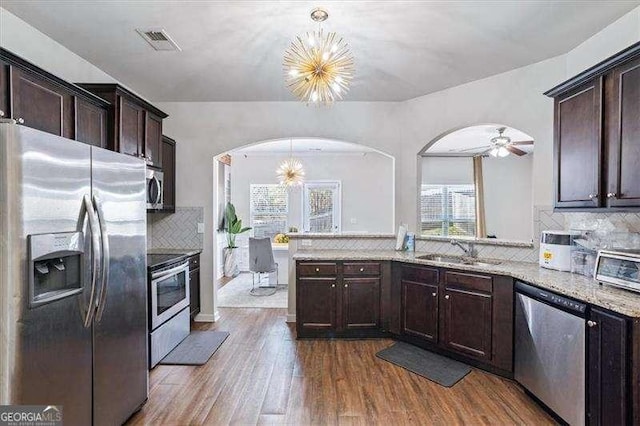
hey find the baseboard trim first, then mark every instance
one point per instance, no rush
(291, 318)
(204, 318)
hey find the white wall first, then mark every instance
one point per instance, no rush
(204, 130)
(367, 186)
(447, 170)
(508, 196)
(27, 42)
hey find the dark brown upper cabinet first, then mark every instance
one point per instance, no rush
(153, 140)
(597, 136)
(623, 135)
(578, 143)
(91, 124)
(137, 125)
(38, 99)
(168, 152)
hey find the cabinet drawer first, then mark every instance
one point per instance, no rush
(420, 274)
(469, 281)
(361, 268)
(314, 269)
(194, 262)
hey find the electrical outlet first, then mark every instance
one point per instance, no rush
(200, 228)
(354, 221)
(306, 243)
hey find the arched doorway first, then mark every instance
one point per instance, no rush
(363, 203)
(476, 182)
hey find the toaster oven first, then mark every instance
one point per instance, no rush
(619, 268)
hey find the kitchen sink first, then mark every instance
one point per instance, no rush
(458, 259)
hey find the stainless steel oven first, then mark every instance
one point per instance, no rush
(155, 189)
(169, 293)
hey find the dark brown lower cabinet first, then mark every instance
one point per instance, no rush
(361, 303)
(194, 285)
(607, 375)
(316, 305)
(341, 299)
(467, 322)
(455, 312)
(420, 313)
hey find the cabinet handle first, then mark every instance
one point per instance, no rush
(446, 297)
(591, 323)
(1, 113)
(317, 269)
(333, 286)
(346, 285)
(611, 195)
(592, 196)
(434, 294)
(20, 120)
(361, 269)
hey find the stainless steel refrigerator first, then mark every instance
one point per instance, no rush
(73, 292)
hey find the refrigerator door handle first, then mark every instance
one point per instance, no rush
(95, 253)
(106, 258)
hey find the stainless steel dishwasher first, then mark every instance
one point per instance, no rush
(550, 350)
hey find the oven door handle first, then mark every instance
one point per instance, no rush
(172, 271)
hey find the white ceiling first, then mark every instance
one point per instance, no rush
(232, 51)
(476, 139)
(302, 146)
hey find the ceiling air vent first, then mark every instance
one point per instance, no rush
(158, 39)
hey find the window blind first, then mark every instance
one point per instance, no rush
(447, 210)
(269, 209)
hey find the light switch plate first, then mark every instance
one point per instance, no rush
(200, 228)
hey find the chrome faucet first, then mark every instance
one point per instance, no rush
(470, 250)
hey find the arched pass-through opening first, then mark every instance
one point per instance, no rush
(477, 182)
(364, 203)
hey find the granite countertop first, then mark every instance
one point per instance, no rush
(186, 252)
(577, 286)
(367, 235)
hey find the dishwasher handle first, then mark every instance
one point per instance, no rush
(550, 298)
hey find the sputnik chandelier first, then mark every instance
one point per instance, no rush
(318, 67)
(290, 172)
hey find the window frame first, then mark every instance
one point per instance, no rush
(337, 204)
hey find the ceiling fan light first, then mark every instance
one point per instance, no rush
(494, 152)
(502, 151)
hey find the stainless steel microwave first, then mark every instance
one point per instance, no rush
(155, 189)
(619, 268)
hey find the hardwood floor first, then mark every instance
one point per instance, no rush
(263, 375)
(221, 282)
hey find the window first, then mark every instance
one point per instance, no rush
(321, 207)
(448, 210)
(269, 210)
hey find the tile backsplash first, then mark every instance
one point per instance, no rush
(544, 219)
(178, 230)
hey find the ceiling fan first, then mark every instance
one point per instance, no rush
(501, 146)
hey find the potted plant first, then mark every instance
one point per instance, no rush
(233, 226)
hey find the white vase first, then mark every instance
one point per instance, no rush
(230, 263)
